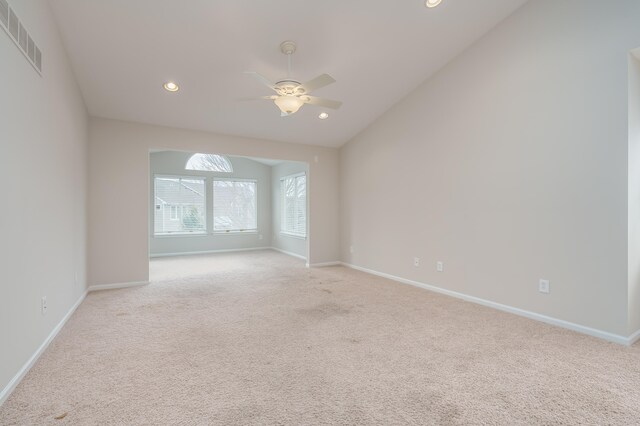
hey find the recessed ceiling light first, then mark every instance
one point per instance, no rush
(171, 86)
(323, 116)
(432, 3)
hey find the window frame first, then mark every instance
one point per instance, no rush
(204, 232)
(283, 209)
(213, 199)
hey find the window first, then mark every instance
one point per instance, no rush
(209, 163)
(235, 205)
(294, 205)
(180, 205)
(173, 215)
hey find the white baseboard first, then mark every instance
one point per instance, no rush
(191, 253)
(323, 264)
(627, 341)
(116, 286)
(288, 253)
(4, 394)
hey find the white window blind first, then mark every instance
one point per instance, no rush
(179, 205)
(294, 205)
(235, 205)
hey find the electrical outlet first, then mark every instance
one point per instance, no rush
(416, 261)
(439, 266)
(544, 286)
(43, 305)
(351, 249)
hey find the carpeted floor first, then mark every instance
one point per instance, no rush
(256, 338)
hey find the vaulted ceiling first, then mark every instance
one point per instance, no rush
(122, 52)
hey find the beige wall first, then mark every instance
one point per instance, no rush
(173, 163)
(43, 167)
(281, 241)
(509, 165)
(634, 191)
(119, 174)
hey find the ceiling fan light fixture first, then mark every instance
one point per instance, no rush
(432, 3)
(289, 104)
(323, 116)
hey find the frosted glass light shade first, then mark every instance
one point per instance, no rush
(289, 104)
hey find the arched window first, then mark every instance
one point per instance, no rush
(209, 163)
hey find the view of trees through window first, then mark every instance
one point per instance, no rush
(234, 205)
(294, 205)
(209, 163)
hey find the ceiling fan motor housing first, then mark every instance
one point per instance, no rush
(289, 88)
(288, 47)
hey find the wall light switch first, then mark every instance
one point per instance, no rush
(416, 261)
(544, 286)
(43, 305)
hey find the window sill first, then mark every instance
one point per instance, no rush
(298, 237)
(179, 234)
(235, 233)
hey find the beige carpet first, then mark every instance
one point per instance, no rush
(256, 338)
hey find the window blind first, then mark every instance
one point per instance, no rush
(235, 205)
(179, 205)
(294, 205)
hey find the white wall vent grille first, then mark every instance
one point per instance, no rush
(4, 13)
(20, 36)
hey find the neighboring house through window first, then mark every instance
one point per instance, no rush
(180, 205)
(180, 201)
(173, 213)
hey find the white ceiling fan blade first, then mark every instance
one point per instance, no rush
(257, 98)
(317, 83)
(262, 79)
(313, 100)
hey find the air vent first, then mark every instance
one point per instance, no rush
(24, 35)
(4, 13)
(18, 33)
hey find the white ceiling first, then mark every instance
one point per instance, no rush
(378, 51)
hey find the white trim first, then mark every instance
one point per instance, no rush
(189, 253)
(616, 338)
(634, 338)
(4, 394)
(116, 285)
(323, 264)
(288, 253)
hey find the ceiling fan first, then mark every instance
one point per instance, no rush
(291, 94)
